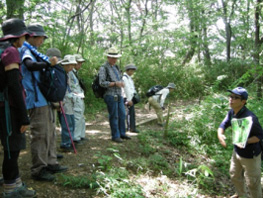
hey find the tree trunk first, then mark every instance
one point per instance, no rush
(257, 45)
(15, 9)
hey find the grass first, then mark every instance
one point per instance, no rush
(189, 162)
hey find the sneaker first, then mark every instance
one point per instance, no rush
(125, 137)
(135, 131)
(84, 139)
(44, 175)
(59, 156)
(56, 168)
(14, 194)
(26, 192)
(118, 140)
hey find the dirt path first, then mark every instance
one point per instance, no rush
(82, 163)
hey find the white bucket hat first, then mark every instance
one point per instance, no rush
(79, 58)
(113, 53)
(68, 60)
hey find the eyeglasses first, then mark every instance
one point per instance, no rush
(235, 97)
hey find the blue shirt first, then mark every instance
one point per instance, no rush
(34, 97)
(250, 150)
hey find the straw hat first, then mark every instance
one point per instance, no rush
(113, 53)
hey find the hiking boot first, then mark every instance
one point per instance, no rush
(118, 140)
(56, 168)
(44, 175)
(26, 192)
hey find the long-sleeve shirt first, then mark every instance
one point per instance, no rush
(161, 95)
(108, 74)
(250, 150)
(129, 88)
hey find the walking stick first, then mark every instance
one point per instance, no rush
(63, 112)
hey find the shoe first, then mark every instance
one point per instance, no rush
(1, 180)
(66, 149)
(135, 131)
(56, 168)
(26, 192)
(118, 140)
(78, 142)
(59, 156)
(14, 194)
(125, 137)
(234, 196)
(44, 175)
(84, 139)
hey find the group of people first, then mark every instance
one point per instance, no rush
(22, 104)
(121, 92)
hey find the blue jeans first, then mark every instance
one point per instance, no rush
(65, 138)
(116, 111)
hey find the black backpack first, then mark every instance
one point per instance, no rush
(153, 90)
(53, 83)
(98, 90)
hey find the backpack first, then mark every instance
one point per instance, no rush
(3, 46)
(53, 83)
(98, 90)
(153, 90)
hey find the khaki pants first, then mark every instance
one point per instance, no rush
(157, 108)
(246, 169)
(43, 141)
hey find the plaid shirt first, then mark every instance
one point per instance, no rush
(107, 75)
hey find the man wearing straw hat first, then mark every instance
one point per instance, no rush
(111, 78)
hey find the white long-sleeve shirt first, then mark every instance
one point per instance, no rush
(129, 88)
(161, 95)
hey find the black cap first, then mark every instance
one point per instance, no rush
(14, 28)
(37, 30)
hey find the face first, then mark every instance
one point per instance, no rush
(112, 61)
(236, 102)
(68, 68)
(130, 72)
(20, 41)
(36, 41)
(78, 66)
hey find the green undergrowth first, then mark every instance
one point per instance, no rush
(189, 155)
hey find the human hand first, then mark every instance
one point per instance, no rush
(130, 103)
(23, 128)
(53, 60)
(221, 139)
(119, 84)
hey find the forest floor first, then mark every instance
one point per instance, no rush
(99, 140)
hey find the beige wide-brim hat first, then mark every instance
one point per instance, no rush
(113, 53)
(79, 58)
(69, 60)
